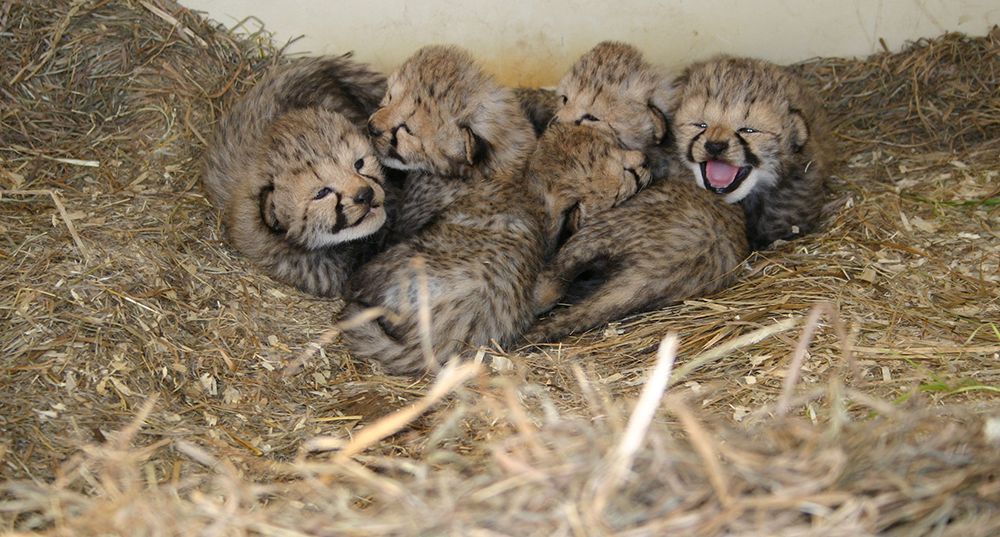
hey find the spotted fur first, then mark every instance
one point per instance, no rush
(480, 260)
(299, 186)
(669, 243)
(752, 132)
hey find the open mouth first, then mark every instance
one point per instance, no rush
(723, 178)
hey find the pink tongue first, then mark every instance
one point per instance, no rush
(720, 174)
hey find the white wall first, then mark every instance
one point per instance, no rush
(533, 42)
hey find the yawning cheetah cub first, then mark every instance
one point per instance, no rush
(582, 172)
(751, 132)
(446, 122)
(612, 88)
(298, 183)
(482, 249)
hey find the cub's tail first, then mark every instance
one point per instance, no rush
(369, 335)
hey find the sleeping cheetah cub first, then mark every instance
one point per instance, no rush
(672, 242)
(297, 182)
(452, 123)
(480, 262)
(751, 132)
(582, 172)
(612, 88)
(446, 122)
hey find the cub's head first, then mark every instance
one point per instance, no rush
(442, 114)
(740, 124)
(582, 172)
(323, 181)
(612, 88)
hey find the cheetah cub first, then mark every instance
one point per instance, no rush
(582, 172)
(481, 251)
(751, 132)
(446, 122)
(672, 242)
(298, 183)
(612, 88)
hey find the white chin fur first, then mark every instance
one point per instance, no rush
(369, 225)
(390, 162)
(756, 176)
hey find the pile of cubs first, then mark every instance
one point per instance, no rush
(451, 212)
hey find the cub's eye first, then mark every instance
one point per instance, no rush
(565, 99)
(323, 192)
(700, 125)
(589, 117)
(358, 164)
(746, 130)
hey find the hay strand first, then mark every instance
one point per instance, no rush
(620, 461)
(450, 377)
(62, 214)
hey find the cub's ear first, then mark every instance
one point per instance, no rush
(667, 97)
(575, 218)
(659, 123)
(798, 131)
(476, 148)
(268, 213)
(660, 105)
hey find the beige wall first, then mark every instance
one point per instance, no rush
(533, 42)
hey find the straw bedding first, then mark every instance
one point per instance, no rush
(846, 385)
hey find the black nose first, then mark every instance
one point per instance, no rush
(365, 196)
(395, 131)
(373, 130)
(715, 148)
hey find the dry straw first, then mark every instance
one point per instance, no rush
(144, 388)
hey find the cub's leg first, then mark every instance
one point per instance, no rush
(623, 292)
(587, 251)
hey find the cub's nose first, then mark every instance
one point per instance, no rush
(395, 133)
(716, 148)
(373, 130)
(365, 196)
